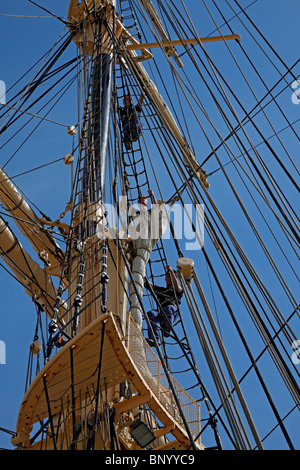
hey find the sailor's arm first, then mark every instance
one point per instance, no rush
(176, 284)
(153, 198)
(148, 285)
(141, 100)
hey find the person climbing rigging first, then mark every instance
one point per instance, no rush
(147, 228)
(147, 223)
(132, 126)
(168, 298)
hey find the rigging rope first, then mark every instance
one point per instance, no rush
(47, 11)
(294, 232)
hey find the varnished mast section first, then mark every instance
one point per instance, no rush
(104, 379)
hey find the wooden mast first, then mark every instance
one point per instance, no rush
(106, 349)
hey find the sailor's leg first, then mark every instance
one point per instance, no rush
(138, 268)
(171, 313)
(134, 134)
(127, 140)
(154, 320)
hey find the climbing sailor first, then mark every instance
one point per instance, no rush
(132, 126)
(168, 298)
(148, 226)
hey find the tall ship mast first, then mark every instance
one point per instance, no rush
(164, 287)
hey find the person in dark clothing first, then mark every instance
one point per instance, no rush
(130, 118)
(168, 298)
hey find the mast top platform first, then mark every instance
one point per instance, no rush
(77, 10)
(82, 17)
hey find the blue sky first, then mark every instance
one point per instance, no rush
(23, 41)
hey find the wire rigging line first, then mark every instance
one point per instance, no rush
(33, 115)
(221, 165)
(26, 90)
(27, 16)
(257, 72)
(62, 91)
(32, 169)
(61, 37)
(47, 11)
(32, 89)
(257, 145)
(274, 154)
(265, 40)
(293, 230)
